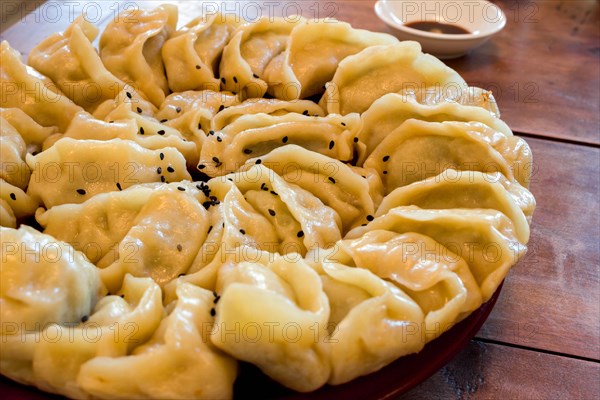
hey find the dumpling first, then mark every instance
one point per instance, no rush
(32, 133)
(334, 183)
(129, 99)
(24, 88)
(312, 55)
(251, 136)
(417, 150)
(13, 168)
(467, 189)
(372, 322)
(70, 60)
(273, 313)
(16, 204)
(391, 110)
(263, 211)
(72, 171)
(252, 47)
(378, 70)
(264, 106)
(192, 53)
(130, 48)
(484, 238)
(178, 361)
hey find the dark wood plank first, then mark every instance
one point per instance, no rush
(486, 371)
(550, 300)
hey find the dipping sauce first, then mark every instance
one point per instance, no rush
(437, 27)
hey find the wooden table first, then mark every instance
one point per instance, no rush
(543, 338)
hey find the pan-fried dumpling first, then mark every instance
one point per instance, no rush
(369, 323)
(312, 55)
(417, 150)
(129, 125)
(334, 183)
(280, 303)
(437, 279)
(192, 53)
(130, 48)
(72, 171)
(467, 189)
(118, 324)
(16, 204)
(378, 70)
(178, 361)
(252, 47)
(263, 211)
(391, 110)
(32, 133)
(264, 106)
(44, 281)
(251, 136)
(25, 88)
(70, 60)
(484, 238)
(13, 168)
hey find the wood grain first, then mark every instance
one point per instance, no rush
(486, 371)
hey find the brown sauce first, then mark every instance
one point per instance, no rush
(437, 27)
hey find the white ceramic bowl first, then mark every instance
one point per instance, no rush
(481, 18)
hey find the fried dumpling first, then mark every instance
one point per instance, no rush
(178, 361)
(72, 171)
(378, 70)
(312, 55)
(130, 48)
(70, 60)
(279, 301)
(192, 53)
(35, 94)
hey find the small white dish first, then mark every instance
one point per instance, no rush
(480, 18)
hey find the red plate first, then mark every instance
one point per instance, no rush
(393, 380)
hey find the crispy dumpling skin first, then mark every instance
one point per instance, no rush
(35, 94)
(178, 361)
(364, 77)
(270, 297)
(130, 48)
(312, 54)
(72, 171)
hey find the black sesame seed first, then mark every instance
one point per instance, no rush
(84, 318)
(331, 144)
(386, 158)
(285, 139)
(180, 275)
(331, 179)
(370, 218)
(198, 67)
(364, 225)
(81, 191)
(343, 124)
(215, 294)
(161, 132)
(201, 166)
(216, 300)
(272, 212)
(219, 139)
(110, 122)
(139, 110)
(129, 95)
(159, 170)
(199, 126)
(355, 140)
(170, 169)
(224, 81)
(179, 247)
(119, 186)
(385, 172)
(235, 79)
(209, 229)
(243, 232)
(12, 196)
(221, 108)
(162, 156)
(181, 188)
(162, 121)
(274, 193)
(178, 110)
(212, 312)
(255, 76)
(162, 179)
(122, 296)
(211, 132)
(247, 151)
(141, 130)
(300, 234)
(259, 161)
(216, 159)
(305, 112)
